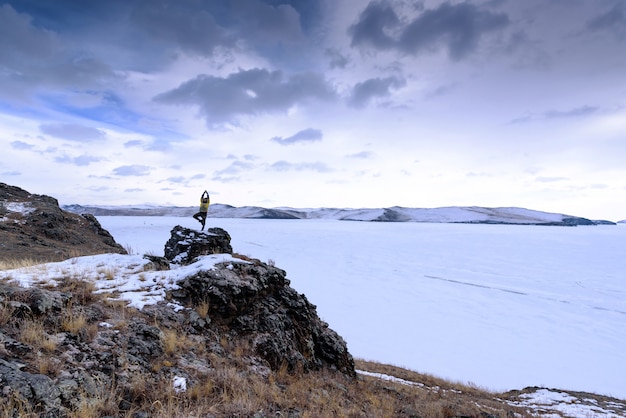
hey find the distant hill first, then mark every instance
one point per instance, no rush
(452, 214)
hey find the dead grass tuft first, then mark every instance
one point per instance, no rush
(14, 405)
(83, 291)
(173, 341)
(203, 309)
(6, 313)
(16, 263)
(32, 332)
(73, 323)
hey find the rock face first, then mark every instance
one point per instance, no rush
(255, 299)
(34, 226)
(239, 315)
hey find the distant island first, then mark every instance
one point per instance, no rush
(451, 214)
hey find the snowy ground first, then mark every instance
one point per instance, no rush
(500, 306)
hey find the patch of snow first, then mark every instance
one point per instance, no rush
(390, 378)
(19, 207)
(180, 384)
(567, 405)
(124, 276)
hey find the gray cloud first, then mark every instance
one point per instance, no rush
(550, 179)
(182, 179)
(19, 40)
(287, 166)
(21, 145)
(364, 92)
(228, 179)
(572, 113)
(306, 135)
(31, 56)
(479, 174)
(177, 25)
(362, 154)
(235, 168)
(456, 27)
(72, 132)
(98, 188)
(441, 91)
(613, 19)
(247, 92)
(336, 58)
(178, 179)
(373, 24)
(81, 160)
(264, 22)
(134, 143)
(576, 112)
(132, 170)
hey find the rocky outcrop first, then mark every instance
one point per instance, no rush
(254, 299)
(186, 245)
(35, 227)
(66, 347)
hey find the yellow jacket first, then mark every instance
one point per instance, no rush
(204, 202)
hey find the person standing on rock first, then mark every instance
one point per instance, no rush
(204, 208)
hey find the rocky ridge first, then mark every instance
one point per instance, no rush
(35, 227)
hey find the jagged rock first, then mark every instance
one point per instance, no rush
(42, 301)
(255, 299)
(157, 263)
(186, 245)
(20, 310)
(35, 227)
(37, 389)
(146, 340)
(15, 347)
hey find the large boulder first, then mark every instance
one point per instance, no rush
(255, 299)
(35, 227)
(186, 245)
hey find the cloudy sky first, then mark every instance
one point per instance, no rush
(329, 103)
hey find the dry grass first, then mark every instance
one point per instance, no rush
(83, 291)
(6, 313)
(173, 341)
(14, 405)
(48, 365)
(203, 309)
(33, 332)
(16, 263)
(73, 323)
(107, 273)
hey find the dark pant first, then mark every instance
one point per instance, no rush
(200, 217)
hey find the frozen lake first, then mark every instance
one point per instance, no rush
(500, 306)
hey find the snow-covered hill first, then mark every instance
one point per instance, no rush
(452, 214)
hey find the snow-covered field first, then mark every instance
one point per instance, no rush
(501, 306)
